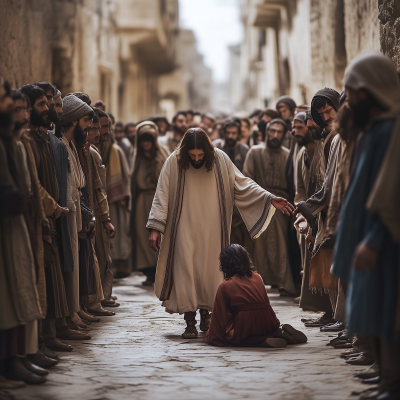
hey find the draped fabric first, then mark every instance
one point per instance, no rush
(19, 300)
(253, 203)
(102, 241)
(55, 290)
(270, 254)
(371, 299)
(40, 222)
(145, 174)
(63, 167)
(241, 311)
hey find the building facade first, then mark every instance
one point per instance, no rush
(120, 51)
(297, 47)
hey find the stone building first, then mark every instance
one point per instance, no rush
(119, 51)
(296, 47)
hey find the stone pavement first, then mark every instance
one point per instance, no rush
(139, 354)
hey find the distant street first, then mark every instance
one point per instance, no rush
(139, 354)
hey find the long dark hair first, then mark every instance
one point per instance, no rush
(196, 138)
(235, 260)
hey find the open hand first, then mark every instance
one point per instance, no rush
(155, 240)
(365, 258)
(283, 206)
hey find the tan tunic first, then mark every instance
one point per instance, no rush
(196, 272)
(19, 300)
(75, 182)
(271, 252)
(146, 182)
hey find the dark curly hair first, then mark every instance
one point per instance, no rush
(196, 138)
(235, 260)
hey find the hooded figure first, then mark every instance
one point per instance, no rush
(334, 98)
(370, 214)
(147, 167)
(288, 101)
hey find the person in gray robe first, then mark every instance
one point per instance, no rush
(265, 164)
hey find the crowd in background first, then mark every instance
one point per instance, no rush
(77, 187)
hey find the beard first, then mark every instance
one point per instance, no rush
(53, 116)
(360, 114)
(304, 140)
(181, 131)
(274, 143)
(79, 135)
(18, 125)
(316, 133)
(197, 164)
(231, 142)
(41, 119)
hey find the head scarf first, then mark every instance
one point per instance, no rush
(377, 74)
(147, 128)
(288, 101)
(332, 95)
(57, 96)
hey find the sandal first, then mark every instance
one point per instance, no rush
(101, 313)
(109, 303)
(87, 317)
(205, 318)
(190, 331)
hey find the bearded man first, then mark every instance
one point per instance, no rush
(192, 209)
(265, 164)
(305, 131)
(57, 306)
(367, 243)
(91, 290)
(102, 239)
(118, 196)
(236, 151)
(179, 127)
(75, 115)
(324, 108)
(286, 106)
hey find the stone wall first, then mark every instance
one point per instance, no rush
(389, 17)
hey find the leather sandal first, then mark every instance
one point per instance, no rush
(109, 303)
(190, 331)
(205, 318)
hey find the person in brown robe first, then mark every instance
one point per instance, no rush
(242, 314)
(57, 308)
(149, 161)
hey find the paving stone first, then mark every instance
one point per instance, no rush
(139, 354)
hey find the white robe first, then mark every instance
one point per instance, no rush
(193, 211)
(196, 271)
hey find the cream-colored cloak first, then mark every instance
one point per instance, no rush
(193, 210)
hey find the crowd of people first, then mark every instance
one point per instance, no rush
(81, 193)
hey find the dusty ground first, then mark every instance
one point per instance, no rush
(139, 354)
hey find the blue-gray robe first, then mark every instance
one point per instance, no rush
(371, 300)
(60, 154)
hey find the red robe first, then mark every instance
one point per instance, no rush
(242, 313)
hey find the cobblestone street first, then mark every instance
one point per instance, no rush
(139, 354)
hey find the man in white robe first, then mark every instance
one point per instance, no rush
(192, 210)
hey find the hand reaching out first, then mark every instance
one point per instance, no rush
(283, 206)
